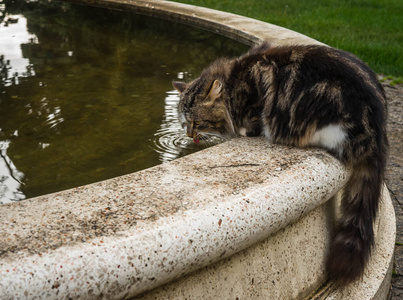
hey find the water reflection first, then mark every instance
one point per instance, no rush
(169, 140)
(10, 177)
(13, 36)
(83, 101)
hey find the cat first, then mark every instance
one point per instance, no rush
(303, 95)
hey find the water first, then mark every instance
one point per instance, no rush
(86, 95)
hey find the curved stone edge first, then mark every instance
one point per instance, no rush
(256, 273)
(289, 264)
(228, 197)
(377, 276)
(243, 29)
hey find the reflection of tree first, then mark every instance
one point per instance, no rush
(4, 8)
(4, 65)
(10, 177)
(96, 97)
(2, 11)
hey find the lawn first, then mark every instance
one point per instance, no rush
(371, 29)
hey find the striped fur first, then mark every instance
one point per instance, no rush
(304, 96)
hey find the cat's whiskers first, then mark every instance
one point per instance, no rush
(219, 136)
(208, 138)
(230, 122)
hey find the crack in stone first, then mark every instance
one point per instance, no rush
(234, 166)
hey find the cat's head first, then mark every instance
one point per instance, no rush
(203, 111)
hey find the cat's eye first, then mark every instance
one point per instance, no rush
(196, 123)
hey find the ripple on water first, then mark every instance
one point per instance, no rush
(170, 140)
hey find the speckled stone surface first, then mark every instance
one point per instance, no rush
(290, 265)
(121, 237)
(287, 265)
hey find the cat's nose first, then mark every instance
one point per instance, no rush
(191, 133)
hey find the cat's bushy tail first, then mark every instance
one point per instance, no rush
(353, 241)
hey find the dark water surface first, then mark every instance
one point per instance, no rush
(86, 95)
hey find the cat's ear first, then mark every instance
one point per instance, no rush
(179, 86)
(215, 89)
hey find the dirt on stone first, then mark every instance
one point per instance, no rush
(394, 177)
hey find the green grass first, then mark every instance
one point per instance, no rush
(393, 80)
(371, 29)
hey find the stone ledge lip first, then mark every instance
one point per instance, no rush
(190, 213)
(243, 29)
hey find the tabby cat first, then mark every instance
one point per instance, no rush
(303, 95)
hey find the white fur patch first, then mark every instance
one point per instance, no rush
(242, 131)
(266, 132)
(330, 137)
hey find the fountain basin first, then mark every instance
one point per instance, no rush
(244, 218)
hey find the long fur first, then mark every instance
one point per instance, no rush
(299, 95)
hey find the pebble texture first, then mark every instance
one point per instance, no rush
(394, 176)
(287, 265)
(290, 265)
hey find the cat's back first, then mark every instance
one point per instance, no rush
(308, 88)
(307, 66)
